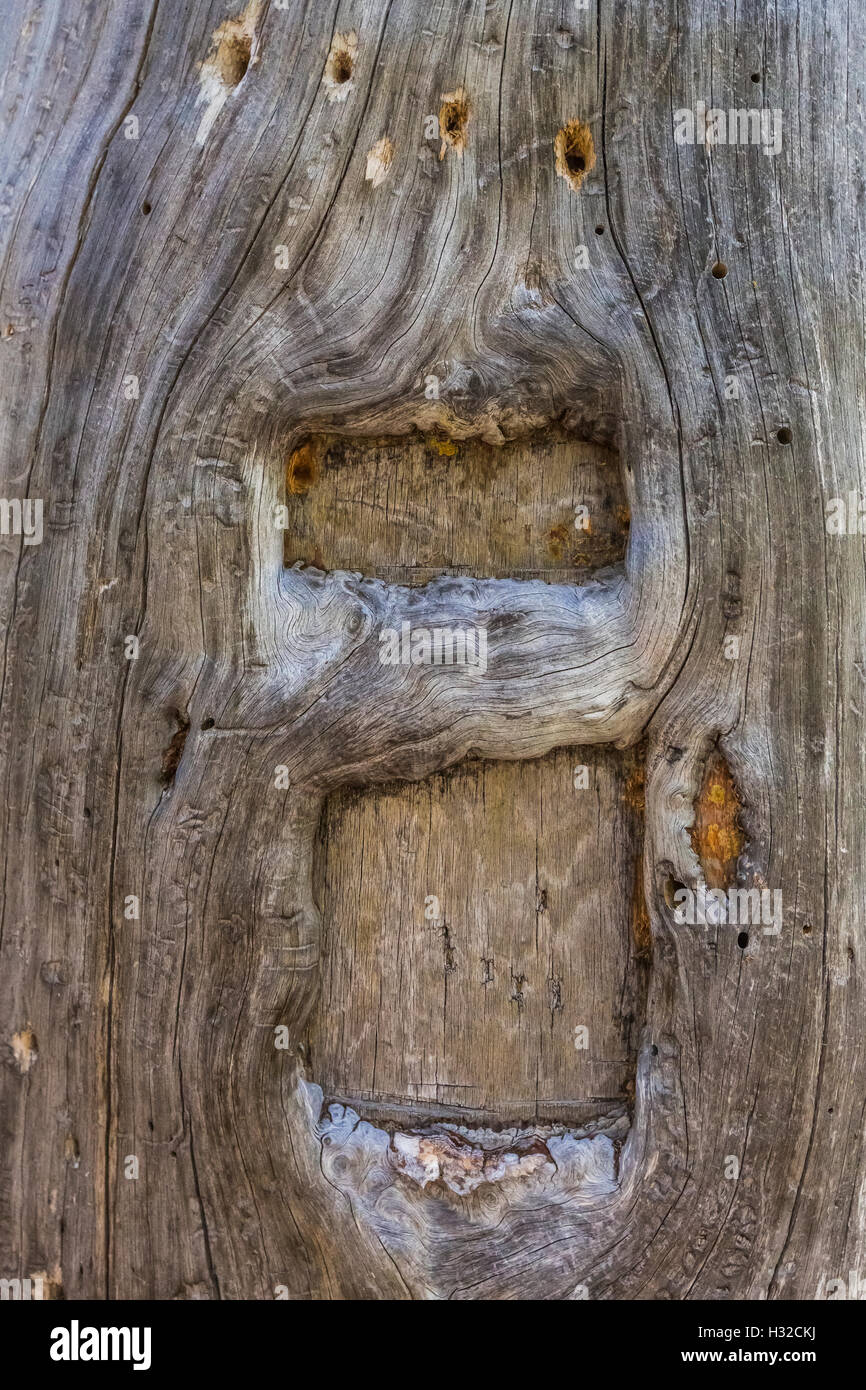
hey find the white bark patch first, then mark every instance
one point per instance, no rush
(225, 66)
(379, 161)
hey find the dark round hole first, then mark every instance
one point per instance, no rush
(87, 813)
(342, 67)
(784, 435)
(720, 270)
(599, 231)
(146, 209)
(233, 58)
(207, 723)
(756, 77)
(743, 940)
(654, 1050)
(807, 929)
(670, 890)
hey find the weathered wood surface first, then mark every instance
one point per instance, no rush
(474, 1010)
(467, 1007)
(237, 261)
(408, 510)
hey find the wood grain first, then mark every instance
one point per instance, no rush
(474, 1011)
(408, 510)
(186, 299)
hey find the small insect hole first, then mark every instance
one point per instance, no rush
(146, 209)
(207, 723)
(743, 940)
(756, 77)
(720, 270)
(784, 435)
(599, 231)
(654, 1050)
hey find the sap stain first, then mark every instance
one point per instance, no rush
(304, 469)
(717, 836)
(446, 448)
(557, 538)
(25, 1049)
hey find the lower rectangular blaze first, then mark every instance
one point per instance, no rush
(483, 960)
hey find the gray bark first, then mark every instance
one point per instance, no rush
(235, 259)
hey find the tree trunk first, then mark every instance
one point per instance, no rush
(325, 975)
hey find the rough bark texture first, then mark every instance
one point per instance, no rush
(282, 246)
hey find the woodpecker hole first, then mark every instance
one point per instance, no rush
(340, 66)
(574, 151)
(233, 58)
(453, 120)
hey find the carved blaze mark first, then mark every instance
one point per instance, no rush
(409, 509)
(473, 1013)
(436, 1024)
